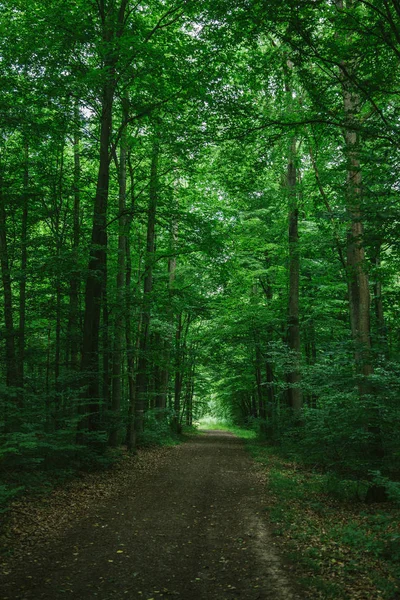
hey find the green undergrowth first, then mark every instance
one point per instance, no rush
(340, 548)
(35, 464)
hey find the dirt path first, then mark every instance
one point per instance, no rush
(193, 529)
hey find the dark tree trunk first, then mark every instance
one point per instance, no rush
(12, 379)
(132, 347)
(143, 371)
(178, 373)
(113, 20)
(167, 345)
(24, 264)
(74, 333)
(119, 319)
(97, 269)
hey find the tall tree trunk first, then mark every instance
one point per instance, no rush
(97, 268)
(119, 319)
(12, 379)
(269, 370)
(178, 373)
(24, 264)
(180, 367)
(132, 347)
(167, 345)
(359, 296)
(106, 354)
(262, 414)
(294, 376)
(358, 287)
(378, 304)
(59, 245)
(113, 23)
(142, 374)
(74, 334)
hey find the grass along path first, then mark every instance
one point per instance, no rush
(341, 549)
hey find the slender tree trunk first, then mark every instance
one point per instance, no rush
(119, 319)
(74, 334)
(189, 393)
(49, 421)
(294, 377)
(106, 354)
(166, 368)
(159, 369)
(379, 312)
(59, 244)
(262, 415)
(132, 348)
(142, 375)
(269, 371)
(269, 374)
(97, 268)
(133, 359)
(178, 373)
(24, 264)
(12, 379)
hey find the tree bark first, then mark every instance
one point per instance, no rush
(132, 347)
(142, 374)
(113, 23)
(24, 264)
(119, 319)
(295, 399)
(358, 286)
(167, 344)
(74, 333)
(12, 379)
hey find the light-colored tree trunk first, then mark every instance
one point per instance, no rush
(295, 399)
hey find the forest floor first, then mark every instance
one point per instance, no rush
(185, 522)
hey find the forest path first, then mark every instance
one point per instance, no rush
(192, 529)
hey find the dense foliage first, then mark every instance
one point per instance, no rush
(199, 211)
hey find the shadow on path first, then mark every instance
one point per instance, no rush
(193, 530)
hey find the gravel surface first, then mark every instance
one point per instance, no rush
(193, 528)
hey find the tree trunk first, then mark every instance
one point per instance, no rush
(178, 374)
(59, 245)
(113, 23)
(24, 263)
(119, 319)
(142, 375)
(167, 345)
(74, 334)
(97, 269)
(262, 415)
(294, 376)
(132, 347)
(379, 312)
(358, 287)
(12, 379)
